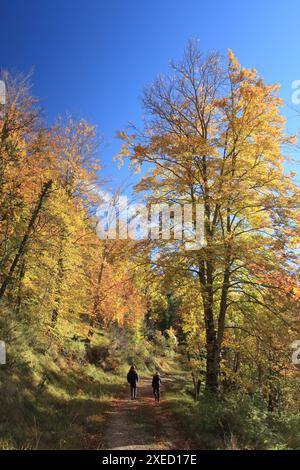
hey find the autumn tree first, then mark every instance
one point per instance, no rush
(214, 135)
(52, 260)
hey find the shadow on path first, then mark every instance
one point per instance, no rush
(142, 424)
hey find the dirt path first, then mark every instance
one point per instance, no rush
(142, 423)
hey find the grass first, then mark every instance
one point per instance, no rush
(52, 396)
(55, 390)
(60, 413)
(233, 421)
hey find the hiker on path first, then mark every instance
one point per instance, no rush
(156, 381)
(132, 379)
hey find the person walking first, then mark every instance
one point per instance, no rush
(156, 381)
(132, 379)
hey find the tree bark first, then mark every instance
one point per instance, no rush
(212, 354)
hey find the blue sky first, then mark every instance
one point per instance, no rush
(93, 57)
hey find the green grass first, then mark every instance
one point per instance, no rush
(55, 393)
(57, 413)
(234, 421)
(55, 390)
(52, 396)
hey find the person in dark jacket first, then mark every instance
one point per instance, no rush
(132, 379)
(156, 381)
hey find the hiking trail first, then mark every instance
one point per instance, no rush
(142, 424)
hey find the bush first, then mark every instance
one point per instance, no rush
(236, 422)
(97, 354)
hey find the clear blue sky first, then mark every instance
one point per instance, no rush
(93, 57)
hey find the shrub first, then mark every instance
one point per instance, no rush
(235, 421)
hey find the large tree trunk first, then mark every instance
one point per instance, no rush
(214, 333)
(212, 350)
(212, 355)
(25, 238)
(222, 313)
